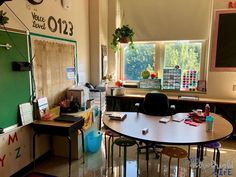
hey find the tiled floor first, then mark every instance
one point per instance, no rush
(96, 165)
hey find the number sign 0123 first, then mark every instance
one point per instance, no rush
(63, 26)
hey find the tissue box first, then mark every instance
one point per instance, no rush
(118, 91)
(150, 83)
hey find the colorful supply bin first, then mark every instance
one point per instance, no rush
(93, 141)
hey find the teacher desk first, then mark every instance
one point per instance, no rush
(58, 128)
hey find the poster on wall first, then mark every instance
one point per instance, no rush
(54, 24)
(171, 79)
(70, 73)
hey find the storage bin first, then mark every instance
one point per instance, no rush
(93, 141)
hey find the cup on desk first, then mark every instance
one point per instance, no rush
(209, 123)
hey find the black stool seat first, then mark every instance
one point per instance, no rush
(125, 142)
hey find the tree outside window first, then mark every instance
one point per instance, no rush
(185, 54)
(136, 60)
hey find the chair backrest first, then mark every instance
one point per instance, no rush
(156, 104)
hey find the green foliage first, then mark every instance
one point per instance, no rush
(3, 18)
(139, 59)
(120, 33)
(186, 55)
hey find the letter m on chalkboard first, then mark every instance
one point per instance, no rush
(11, 139)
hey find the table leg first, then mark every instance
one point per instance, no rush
(82, 136)
(69, 140)
(34, 136)
(147, 156)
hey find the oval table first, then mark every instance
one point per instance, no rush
(170, 133)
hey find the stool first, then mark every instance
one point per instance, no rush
(216, 155)
(111, 135)
(173, 152)
(124, 142)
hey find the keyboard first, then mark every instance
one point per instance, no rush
(67, 118)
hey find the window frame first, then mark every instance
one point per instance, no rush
(159, 58)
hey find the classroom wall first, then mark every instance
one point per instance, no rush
(164, 22)
(98, 36)
(18, 154)
(220, 84)
(16, 149)
(77, 14)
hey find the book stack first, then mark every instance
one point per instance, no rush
(118, 116)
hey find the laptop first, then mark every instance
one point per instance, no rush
(68, 118)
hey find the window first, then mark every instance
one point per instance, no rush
(136, 60)
(166, 57)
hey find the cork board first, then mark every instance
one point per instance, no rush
(51, 62)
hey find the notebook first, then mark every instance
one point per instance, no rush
(118, 116)
(67, 118)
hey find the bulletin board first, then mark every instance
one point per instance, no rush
(14, 85)
(54, 69)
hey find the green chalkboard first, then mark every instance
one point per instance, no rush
(14, 85)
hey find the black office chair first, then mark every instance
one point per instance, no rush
(156, 104)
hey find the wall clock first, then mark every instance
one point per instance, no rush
(66, 4)
(35, 1)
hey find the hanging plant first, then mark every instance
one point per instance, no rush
(3, 18)
(123, 34)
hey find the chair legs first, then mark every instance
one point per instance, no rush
(172, 152)
(124, 145)
(216, 154)
(124, 161)
(217, 159)
(169, 167)
(108, 147)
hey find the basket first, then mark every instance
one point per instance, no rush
(93, 141)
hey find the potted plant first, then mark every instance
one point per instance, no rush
(3, 18)
(123, 34)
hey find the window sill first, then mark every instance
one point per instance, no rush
(134, 89)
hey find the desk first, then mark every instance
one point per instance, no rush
(58, 128)
(172, 133)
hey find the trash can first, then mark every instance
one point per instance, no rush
(93, 141)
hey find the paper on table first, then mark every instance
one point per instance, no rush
(178, 117)
(164, 120)
(26, 113)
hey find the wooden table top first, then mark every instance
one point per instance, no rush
(176, 133)
(53, 123)
(59, 128)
